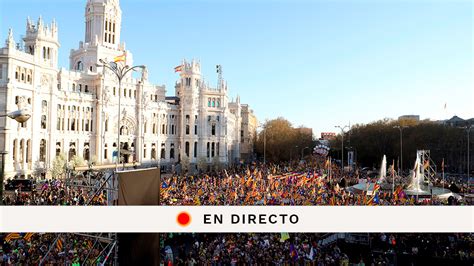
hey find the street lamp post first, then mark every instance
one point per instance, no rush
(401, 147)
(264, 145)
(342, 144)
(264, 129)
(21, 116)
(120, 71)
(468, 129)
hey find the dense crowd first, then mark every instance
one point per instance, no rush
(291, 184)
(55, 192)
(302, 249)
(64, 249)
(310, 183)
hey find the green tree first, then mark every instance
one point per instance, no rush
(59, 166)
(282, 141)
(202, 164)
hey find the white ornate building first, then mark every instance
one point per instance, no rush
(75, 111)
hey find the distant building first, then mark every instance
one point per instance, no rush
(456, 121)
(327, 135)
(248, 132)
(415, 118)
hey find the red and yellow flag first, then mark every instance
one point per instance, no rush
(120, 58)
(178, 68)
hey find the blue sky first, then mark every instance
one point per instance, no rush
(316, 63)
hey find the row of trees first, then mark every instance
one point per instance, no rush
(371, 141)
(283, 142)
(60, 163)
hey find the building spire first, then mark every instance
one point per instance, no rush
(10, 42)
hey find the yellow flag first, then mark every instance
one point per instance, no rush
(120, 58)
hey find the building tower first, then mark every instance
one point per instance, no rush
(103, 20)
(41, 41)
(188, 92)
(103, 23)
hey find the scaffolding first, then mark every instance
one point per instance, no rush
(428, 169)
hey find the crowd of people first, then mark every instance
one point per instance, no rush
(55, 192)
(249, 249)
(311, 183)
(303, 249)
(51, 249)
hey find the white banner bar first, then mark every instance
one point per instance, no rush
(237, 219)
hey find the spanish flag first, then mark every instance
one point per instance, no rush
(178, 68)
(120, 58)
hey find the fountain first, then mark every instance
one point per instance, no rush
(416, 177)
(420, 184)
(383, 170)
(370, 186)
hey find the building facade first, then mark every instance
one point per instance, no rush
(75, 110)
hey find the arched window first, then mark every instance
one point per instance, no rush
(74, 87)
(58, 148)
(186, 148)
(124, 130)
(44, 52)
(209, 102)
(105, 151)
(172, 153)
(213, 130)
(86, 154)
(218, 103)
(43, 122)
(208, 149)
(42, 153)
(22, 151)
(153, 152)
(187, 129)
(213, 102)
(195, 149)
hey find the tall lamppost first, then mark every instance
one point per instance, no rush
(342, 144)
(401, 147)
(21, 116)
(264, 129)
(120, 71)
(468, 129)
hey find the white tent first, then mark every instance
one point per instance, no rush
(446, 196)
